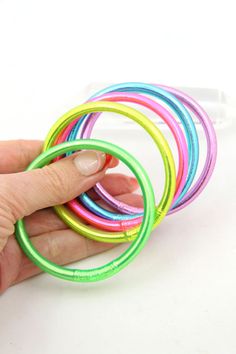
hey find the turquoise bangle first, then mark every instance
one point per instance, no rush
(113, 267)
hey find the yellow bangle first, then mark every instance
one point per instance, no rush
(170, 178)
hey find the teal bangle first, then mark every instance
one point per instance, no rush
(113, 267)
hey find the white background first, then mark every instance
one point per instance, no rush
(179, 295)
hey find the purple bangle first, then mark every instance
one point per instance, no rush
(211, 141)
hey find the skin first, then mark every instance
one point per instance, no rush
(31, 195)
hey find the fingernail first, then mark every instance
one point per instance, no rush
(90, 162)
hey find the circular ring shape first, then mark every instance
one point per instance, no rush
(176, 106)
(169, 189)
(113, 267)
(191, 134)
(182, 170)
(208, 167)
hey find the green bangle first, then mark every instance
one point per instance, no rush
(170, 179)
(111, 268)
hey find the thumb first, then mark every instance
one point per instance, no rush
(55, 184)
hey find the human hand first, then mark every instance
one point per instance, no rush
(31, 194)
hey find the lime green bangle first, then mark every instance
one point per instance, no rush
(111, 268)
(169, 189)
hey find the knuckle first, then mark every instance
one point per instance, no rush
(52, 248)
(57, 182)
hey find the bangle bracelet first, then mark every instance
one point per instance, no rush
(182, 171)
(169, 188)
(187, 197)
(180, 111)
(190, 132)
(113, 267)
(211, 141)
(210, 160)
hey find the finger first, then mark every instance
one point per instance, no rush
(16, 155)
(135, 200)
(55, 184)
(46, 220)
(117, 184)
(61, 247)
(43, 221)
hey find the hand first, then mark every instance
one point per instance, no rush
(31, 194)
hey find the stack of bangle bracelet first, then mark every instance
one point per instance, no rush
(72, 133)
